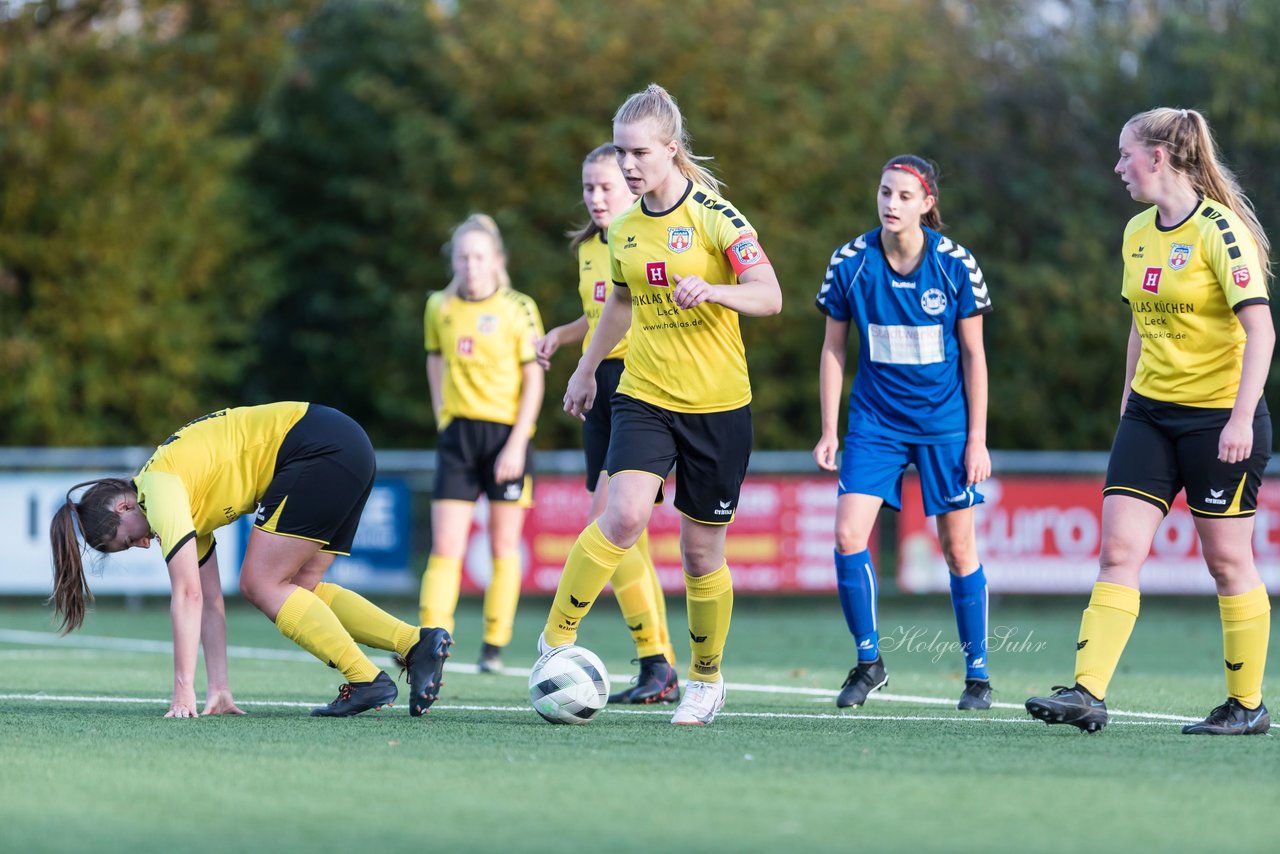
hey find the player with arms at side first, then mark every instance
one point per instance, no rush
(486, 390)
(1192, 415)
(305, 471)
(685, 264)
(919, 397)
(635, 583)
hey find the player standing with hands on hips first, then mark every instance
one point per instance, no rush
(1192, 415)
(685, 264)
(920, 396)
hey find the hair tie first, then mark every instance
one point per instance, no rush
(912, 170)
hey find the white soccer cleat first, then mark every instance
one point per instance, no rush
(543, 646)
(701, 702)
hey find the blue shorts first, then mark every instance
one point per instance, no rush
(874, 465)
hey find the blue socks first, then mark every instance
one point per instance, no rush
(969, 600)
(857, 587)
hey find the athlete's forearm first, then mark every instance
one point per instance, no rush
(831, 383)
(571, 333)
(185, 610)
(757, 293)
(532, 386)
(435, 380)
(1132, 352)
(1256, 361)
(213, 626)
(973, 369)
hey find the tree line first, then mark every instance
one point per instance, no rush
(207, 203)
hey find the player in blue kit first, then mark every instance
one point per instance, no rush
(919, 396)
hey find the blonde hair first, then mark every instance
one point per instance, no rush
(484, 224)
(657, 104)
(1185, 136)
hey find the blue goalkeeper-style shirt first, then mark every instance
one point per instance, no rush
(909, 385)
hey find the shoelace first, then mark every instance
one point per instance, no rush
(344, 691)
(403, 662)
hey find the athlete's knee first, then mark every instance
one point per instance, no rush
(850, 541)
(701, 558)
(252, 590)
(1228, 564)
(1121, 555)
(622, 526)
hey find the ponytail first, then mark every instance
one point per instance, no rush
(1186, 137)
(94, 518)
(657, 104)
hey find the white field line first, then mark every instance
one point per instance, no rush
(92, 642)
(445, 707)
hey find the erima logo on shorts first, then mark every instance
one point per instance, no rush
(1215, 497)
(725, 509)
(511, 492)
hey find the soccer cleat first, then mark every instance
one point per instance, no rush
(543, 646)
(1074, 705)
(657, 683)
(425, 664)
(977, 695)
(356, 697)
(1232, 718)
(866, 677)
(701, 702)
(490, 659)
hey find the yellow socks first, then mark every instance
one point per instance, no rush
(710, 602)
(659, 599)
(1246, 627)
(500, 600)
(439, 595)
(633, 585)
(307, 621)
(1104, 631)
(367, 623)
(591, 563)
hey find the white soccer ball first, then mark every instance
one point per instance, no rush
(568, 685)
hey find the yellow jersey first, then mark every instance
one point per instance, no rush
(211, 472)
(1184, 285)
(485, 344)
(685, 360)
(594, 287)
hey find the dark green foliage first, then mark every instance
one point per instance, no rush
(237, 202)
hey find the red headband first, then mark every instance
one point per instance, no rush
(905, 168)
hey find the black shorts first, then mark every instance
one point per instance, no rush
(324, 473)
(598, 425)
(712, 449)
(465, 456)
(1161, 448)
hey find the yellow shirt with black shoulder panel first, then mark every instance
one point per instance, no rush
(211, 472)
(685, 360)
(594, 287)
(485, 344)
(1184, 285)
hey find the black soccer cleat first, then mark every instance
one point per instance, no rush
(866, 677)
(490, 660)
(425, 665)
(657, 683)
(356, 697)
(1074, 705)
(1232, 718)
(977, 695)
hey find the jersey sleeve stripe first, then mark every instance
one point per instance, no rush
(981, 295)
(844, 253)
(1252, 301)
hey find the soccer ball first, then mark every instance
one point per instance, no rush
(568, 685)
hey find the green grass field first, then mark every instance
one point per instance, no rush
(90, 764)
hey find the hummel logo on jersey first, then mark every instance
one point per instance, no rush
(697, 638)
(1233, 665)
(898, 284)
(578, 603)
(1215, 497)
(1080, 645)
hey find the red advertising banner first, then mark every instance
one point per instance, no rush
(1042, 535)
(781, 540)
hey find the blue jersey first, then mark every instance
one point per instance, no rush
(909, 384)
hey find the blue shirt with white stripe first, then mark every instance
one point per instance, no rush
(909, 384)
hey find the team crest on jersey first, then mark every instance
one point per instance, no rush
(933, 301)
(679, 238)
(1151, 280)
(599, 293)
(1240, 275)
(746, 250)
(466, 344)
(1179, 255)
(487, 324)
(655, 273)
